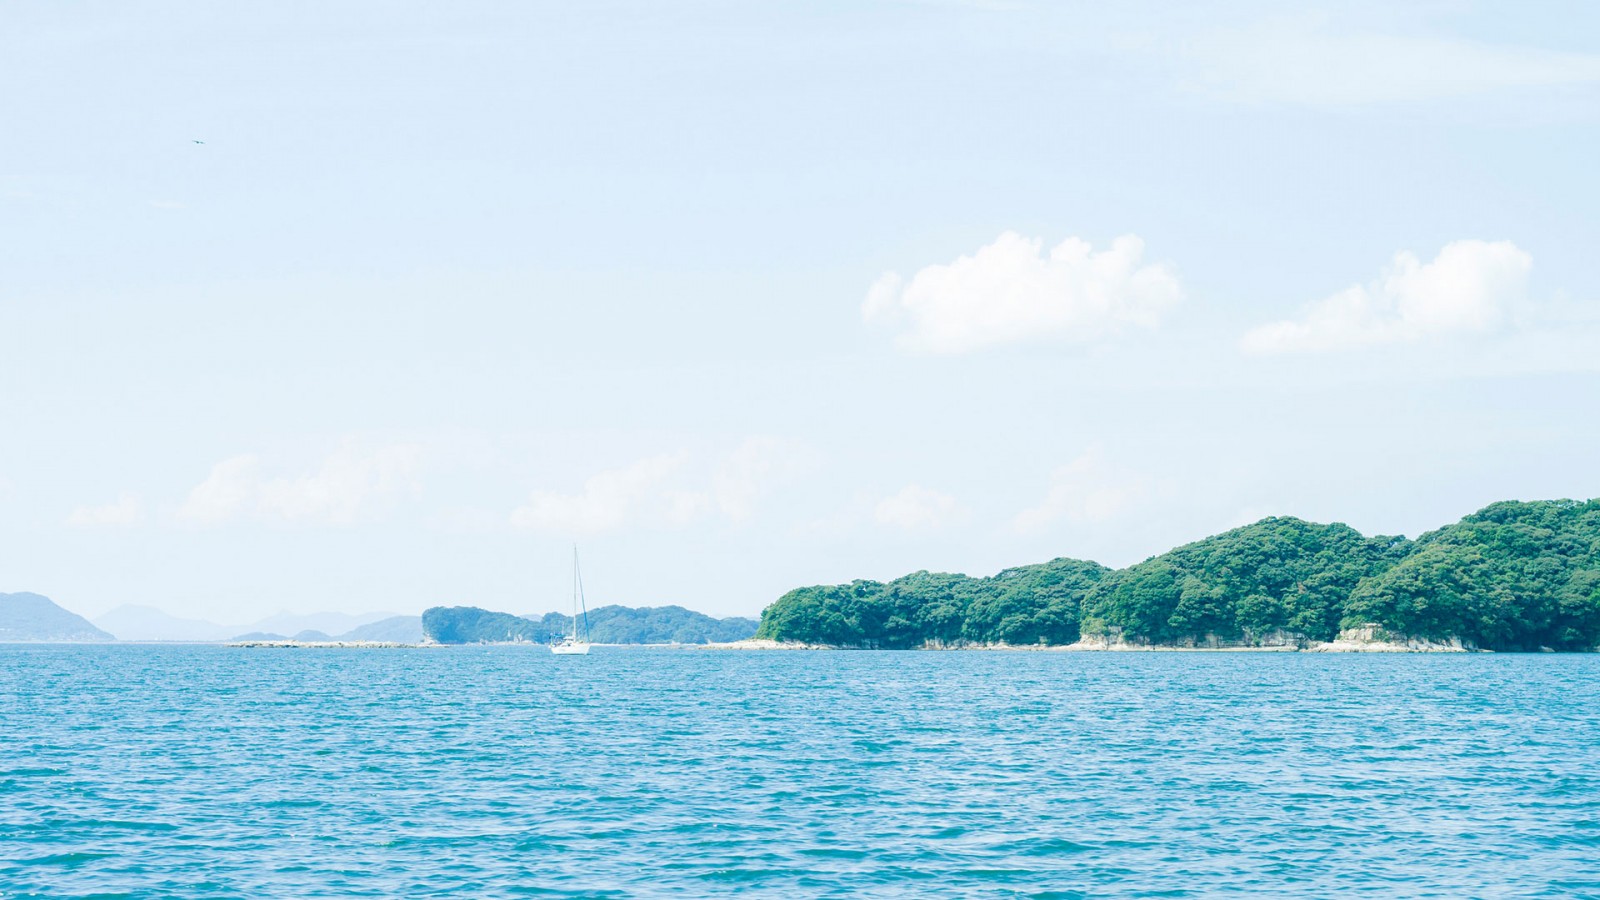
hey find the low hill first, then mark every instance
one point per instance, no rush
(32, 617)
(652, 625)
(1512, 576)
(1279, 574)
(1025, 605)
(326, 622)
(663, 625)
(396, 629)
(147, 623)
(606, 625)
(471, 625)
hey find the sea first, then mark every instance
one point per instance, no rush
(504, 771)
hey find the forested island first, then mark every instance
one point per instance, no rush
(1513, 576)
(606, 625)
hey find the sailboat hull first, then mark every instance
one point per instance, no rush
(570, 649)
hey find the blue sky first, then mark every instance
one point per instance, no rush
(740, 297)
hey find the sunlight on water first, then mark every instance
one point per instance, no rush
(505, 771)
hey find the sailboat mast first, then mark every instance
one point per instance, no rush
(574, 592)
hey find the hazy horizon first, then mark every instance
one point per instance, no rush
(382, 307)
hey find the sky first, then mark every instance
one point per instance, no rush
(740, 297)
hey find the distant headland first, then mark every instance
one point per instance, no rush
(605, 625)
(26, 617)
(1513, 576)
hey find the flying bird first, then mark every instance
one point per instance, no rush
(199, 142)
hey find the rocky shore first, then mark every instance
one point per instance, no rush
(295, 645)
(763, 644)
(1361, 639)
(1374, 639)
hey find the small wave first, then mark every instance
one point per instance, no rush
(65, 859)
(833, 853)
(1050, 847)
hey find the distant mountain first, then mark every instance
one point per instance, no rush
(607, 625)
(398, 629)
(395, 629)
(146, 623)
(471, 625)
(31, 617)
(654, 625)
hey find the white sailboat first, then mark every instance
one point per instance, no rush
(571, 645)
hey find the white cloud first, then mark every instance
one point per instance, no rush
(1088, 489)
(1471, 287)
(1011, 291)
(611, 499)
(1306, 62)
(126, 510)
(349, 484)
(754, 469)
(916, 507)
(666, 491)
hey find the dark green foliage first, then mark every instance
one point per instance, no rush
(656, 625)
(843, 614)
(607, 625)
(1033, 604)
(1513, 576)
(1025, 605)
(1277, 574)
(470, 625)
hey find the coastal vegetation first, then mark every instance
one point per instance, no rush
(1513, 576)
(1276, 575)
(606, 625)
(1026, 605)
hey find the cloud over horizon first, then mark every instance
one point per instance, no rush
(915, 508)
(124, 511)
(662, 492)
(1014, 291)
(349, 484)
(1470, 287)
(1307, 62)
(1089, 489)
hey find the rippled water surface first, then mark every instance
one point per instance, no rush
(505, 771)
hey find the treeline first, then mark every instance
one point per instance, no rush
(606, 625)
(1513, 576)
(1026, 605)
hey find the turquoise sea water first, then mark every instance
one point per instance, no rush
(507, 772)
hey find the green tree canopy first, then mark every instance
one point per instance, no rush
(1512, 576)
